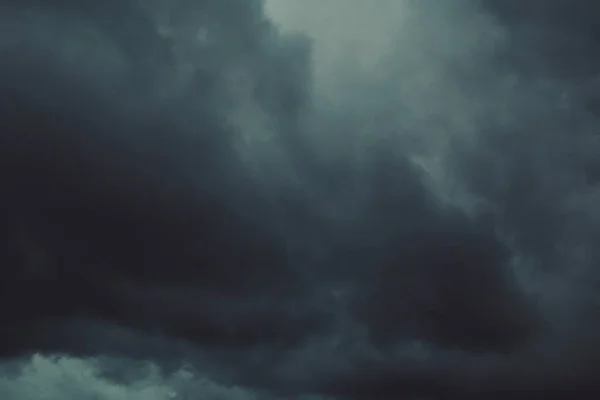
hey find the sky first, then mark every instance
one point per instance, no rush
(316, 200)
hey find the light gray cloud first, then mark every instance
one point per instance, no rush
(43, 377)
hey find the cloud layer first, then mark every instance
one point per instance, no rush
(315, 199)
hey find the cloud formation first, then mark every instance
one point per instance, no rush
(312, 199)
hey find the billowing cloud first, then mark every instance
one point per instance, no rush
(328, 199)
(78, 378)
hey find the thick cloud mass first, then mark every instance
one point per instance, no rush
(320, 199)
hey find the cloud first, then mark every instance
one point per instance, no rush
(86, 378)
(312, 199)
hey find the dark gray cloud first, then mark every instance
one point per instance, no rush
(210, 198)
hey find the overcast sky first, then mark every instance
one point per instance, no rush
(333, 199)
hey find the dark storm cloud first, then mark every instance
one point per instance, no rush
(527, 166)
(182, 182)
(117, 183)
